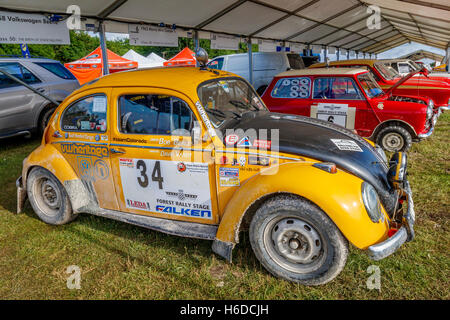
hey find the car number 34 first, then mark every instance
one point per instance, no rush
(168, 187)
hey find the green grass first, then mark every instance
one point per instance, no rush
(120, 261)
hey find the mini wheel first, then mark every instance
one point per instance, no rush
(48, 197)
(394, 139)
(295, 240)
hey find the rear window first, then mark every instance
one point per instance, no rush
(57, 69)
(299, 88)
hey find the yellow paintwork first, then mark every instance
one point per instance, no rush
(338, 195)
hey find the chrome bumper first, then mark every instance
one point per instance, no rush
(405, 233)
(444, 108)
(433, 124)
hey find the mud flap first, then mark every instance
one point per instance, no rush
(21, 195)
(223, 249)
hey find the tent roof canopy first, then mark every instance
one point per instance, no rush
(421, 54)
(333, 23)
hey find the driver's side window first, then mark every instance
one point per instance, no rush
(154, 114)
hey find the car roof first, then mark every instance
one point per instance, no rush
(175, 78)
(322, 71)
(369, 62)
(15, 59)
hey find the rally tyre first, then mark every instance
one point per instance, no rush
(394, 139)
(45, 116)
(48, 197)
(295, 240)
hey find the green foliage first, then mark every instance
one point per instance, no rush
(81, 44)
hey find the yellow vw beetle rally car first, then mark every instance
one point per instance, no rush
(194, 152)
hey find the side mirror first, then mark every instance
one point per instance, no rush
(424, 71)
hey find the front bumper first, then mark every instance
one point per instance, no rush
(433, 124)
(405, 233)
(444, 108)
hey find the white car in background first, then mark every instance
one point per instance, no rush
(23, 111)
(266, 65)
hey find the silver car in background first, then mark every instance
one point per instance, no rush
(22, 111)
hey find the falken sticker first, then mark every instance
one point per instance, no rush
(346, 145)
(244, 142)
(229, 172)
(205, 118)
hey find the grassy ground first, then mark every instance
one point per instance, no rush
(120, 261)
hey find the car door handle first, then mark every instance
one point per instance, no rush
(114, 150)
(41, 90)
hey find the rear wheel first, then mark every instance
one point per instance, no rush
(48, 197)
(295, 240)
(394, 139)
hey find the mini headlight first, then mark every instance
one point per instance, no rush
(371, 202)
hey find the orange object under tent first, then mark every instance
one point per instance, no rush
(91, 67)
(185, 57)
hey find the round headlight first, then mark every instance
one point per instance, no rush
(371, 202)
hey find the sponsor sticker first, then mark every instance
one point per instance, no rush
(258, 161)
(229, 182)
(84, 149)
(346, 145)
(126, 162)
(205, 118)
(229, 172)
(244, 142)
(231, 139)
(262, 144)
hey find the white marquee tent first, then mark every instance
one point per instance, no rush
(142, 61)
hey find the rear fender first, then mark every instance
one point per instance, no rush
(338, 195)
(48, 157)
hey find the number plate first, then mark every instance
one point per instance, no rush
(169, 187)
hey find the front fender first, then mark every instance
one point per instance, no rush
(338, 195)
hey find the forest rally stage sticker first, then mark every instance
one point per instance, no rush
(169, 187)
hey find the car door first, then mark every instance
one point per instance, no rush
(158, 169)
(340, 101)
(291, 95)
(17, 101)
(84, 129)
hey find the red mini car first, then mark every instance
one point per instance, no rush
(352, 98)
(386, 76)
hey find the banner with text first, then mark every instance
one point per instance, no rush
(224, 42)
(141, 35)
(32, 29)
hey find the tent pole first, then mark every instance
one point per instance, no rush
(101, 31)
(196, 45)
(250, 60)
(337, 53)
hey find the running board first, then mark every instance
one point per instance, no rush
(173, 227)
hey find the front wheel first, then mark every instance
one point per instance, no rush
(44, 118)
(48, 197)
(295, 240)
(394, 139)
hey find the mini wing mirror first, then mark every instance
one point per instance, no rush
(424, 71)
